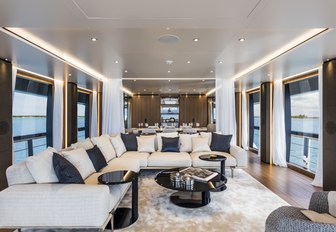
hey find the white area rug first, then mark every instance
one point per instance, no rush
(243, 206)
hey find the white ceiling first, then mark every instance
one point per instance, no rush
(128, 31)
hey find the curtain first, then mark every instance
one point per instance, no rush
(112, 115)
(244, 122)
(318, 180)
(225, 107)
(58, 115)
(279, 130)
(94, 119)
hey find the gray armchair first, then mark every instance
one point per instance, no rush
(290, 218)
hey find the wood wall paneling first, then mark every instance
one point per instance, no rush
(6, 132)
(145, 109)
(194, 108)
(72, 113)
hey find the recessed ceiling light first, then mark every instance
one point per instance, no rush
(211, 71)
(179, 90)
(168, 80)
(145, 90)
(203, 80)
(169, 89)
(196, 39)
(134, 80)
(160, 90)
(194, 89)
(125, 71)
(220, 62)
(167, 28)
(6, 59)
(241, 39)
(69, 74)
(116, 61)
(327, 59)
(168, 71)
(93, 39)
(188, 62)
(169, 62)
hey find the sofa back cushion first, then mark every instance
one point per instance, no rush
(170, 144)
(41, 167)
(105, 146)
(65, 171)
(97, 158)
(118, 145)
(80, 159)
(200, 144)
(186, 142)
(146, 144)
(19, 174)
(167, 135)
(220, 142)
(86, 144)
(130, 141)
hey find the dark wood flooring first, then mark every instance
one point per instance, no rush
(293, 187)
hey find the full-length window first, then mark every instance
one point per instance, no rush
(83, 115)
(254, 120)
(302, 122)
(32, 118)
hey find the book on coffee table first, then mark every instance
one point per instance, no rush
(200, 174)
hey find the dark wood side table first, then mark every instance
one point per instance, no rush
(216, 158)
(123, 217)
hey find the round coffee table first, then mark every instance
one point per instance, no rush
(195, 197)
(123, 217)
(215, 158)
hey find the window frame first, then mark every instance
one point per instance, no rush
(84, 97)
(249, 95)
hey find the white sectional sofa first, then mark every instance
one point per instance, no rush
(27, 204)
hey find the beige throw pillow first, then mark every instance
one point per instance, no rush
(319, 217)
(200, 144)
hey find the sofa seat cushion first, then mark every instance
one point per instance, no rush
(122, 164)
(169, 159)
(197, 162)
(141, 156)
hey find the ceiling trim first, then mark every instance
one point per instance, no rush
(167, 78)
(309, 35)
(48, 49)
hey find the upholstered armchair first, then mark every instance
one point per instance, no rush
(291, 219)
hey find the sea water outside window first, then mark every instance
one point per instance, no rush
(83, 116)
(302, 122)
(254, 120)
(32, 118)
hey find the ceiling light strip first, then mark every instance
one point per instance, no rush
(48, 49)
(175, 79)
(125, 90)
(311, 34)
(35, 74)
(211, 91)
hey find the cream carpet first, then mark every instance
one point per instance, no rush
(243, 206)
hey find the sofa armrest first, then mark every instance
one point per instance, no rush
(240, 154)
(319, 202)
(54, 205)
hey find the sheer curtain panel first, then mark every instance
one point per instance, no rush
(58, 115)
(244, 122)
(94, 119)
(112, 109)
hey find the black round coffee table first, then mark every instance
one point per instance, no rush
(196, 197)
(123, 217)
(215, 158)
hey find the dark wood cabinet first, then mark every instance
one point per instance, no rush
(194, 108)
(145, 109)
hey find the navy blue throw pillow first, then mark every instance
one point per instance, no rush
(130, 141)
(65, 171)
(220, 142)
(97, 158)
(170, 144)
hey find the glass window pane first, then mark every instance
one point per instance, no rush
(254, 114)
(29, 124)
(305, 122)
(81, 121)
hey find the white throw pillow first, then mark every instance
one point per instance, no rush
(118, 145)
(86, 144)
(319, 217)
(207, 135)
(80, 159)
(169, 135)
(155, 140)
(146, 144)
(104, 144)
(186, 142)
(41, 166)
(200, 144)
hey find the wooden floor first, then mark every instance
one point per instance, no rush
(290, 185)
